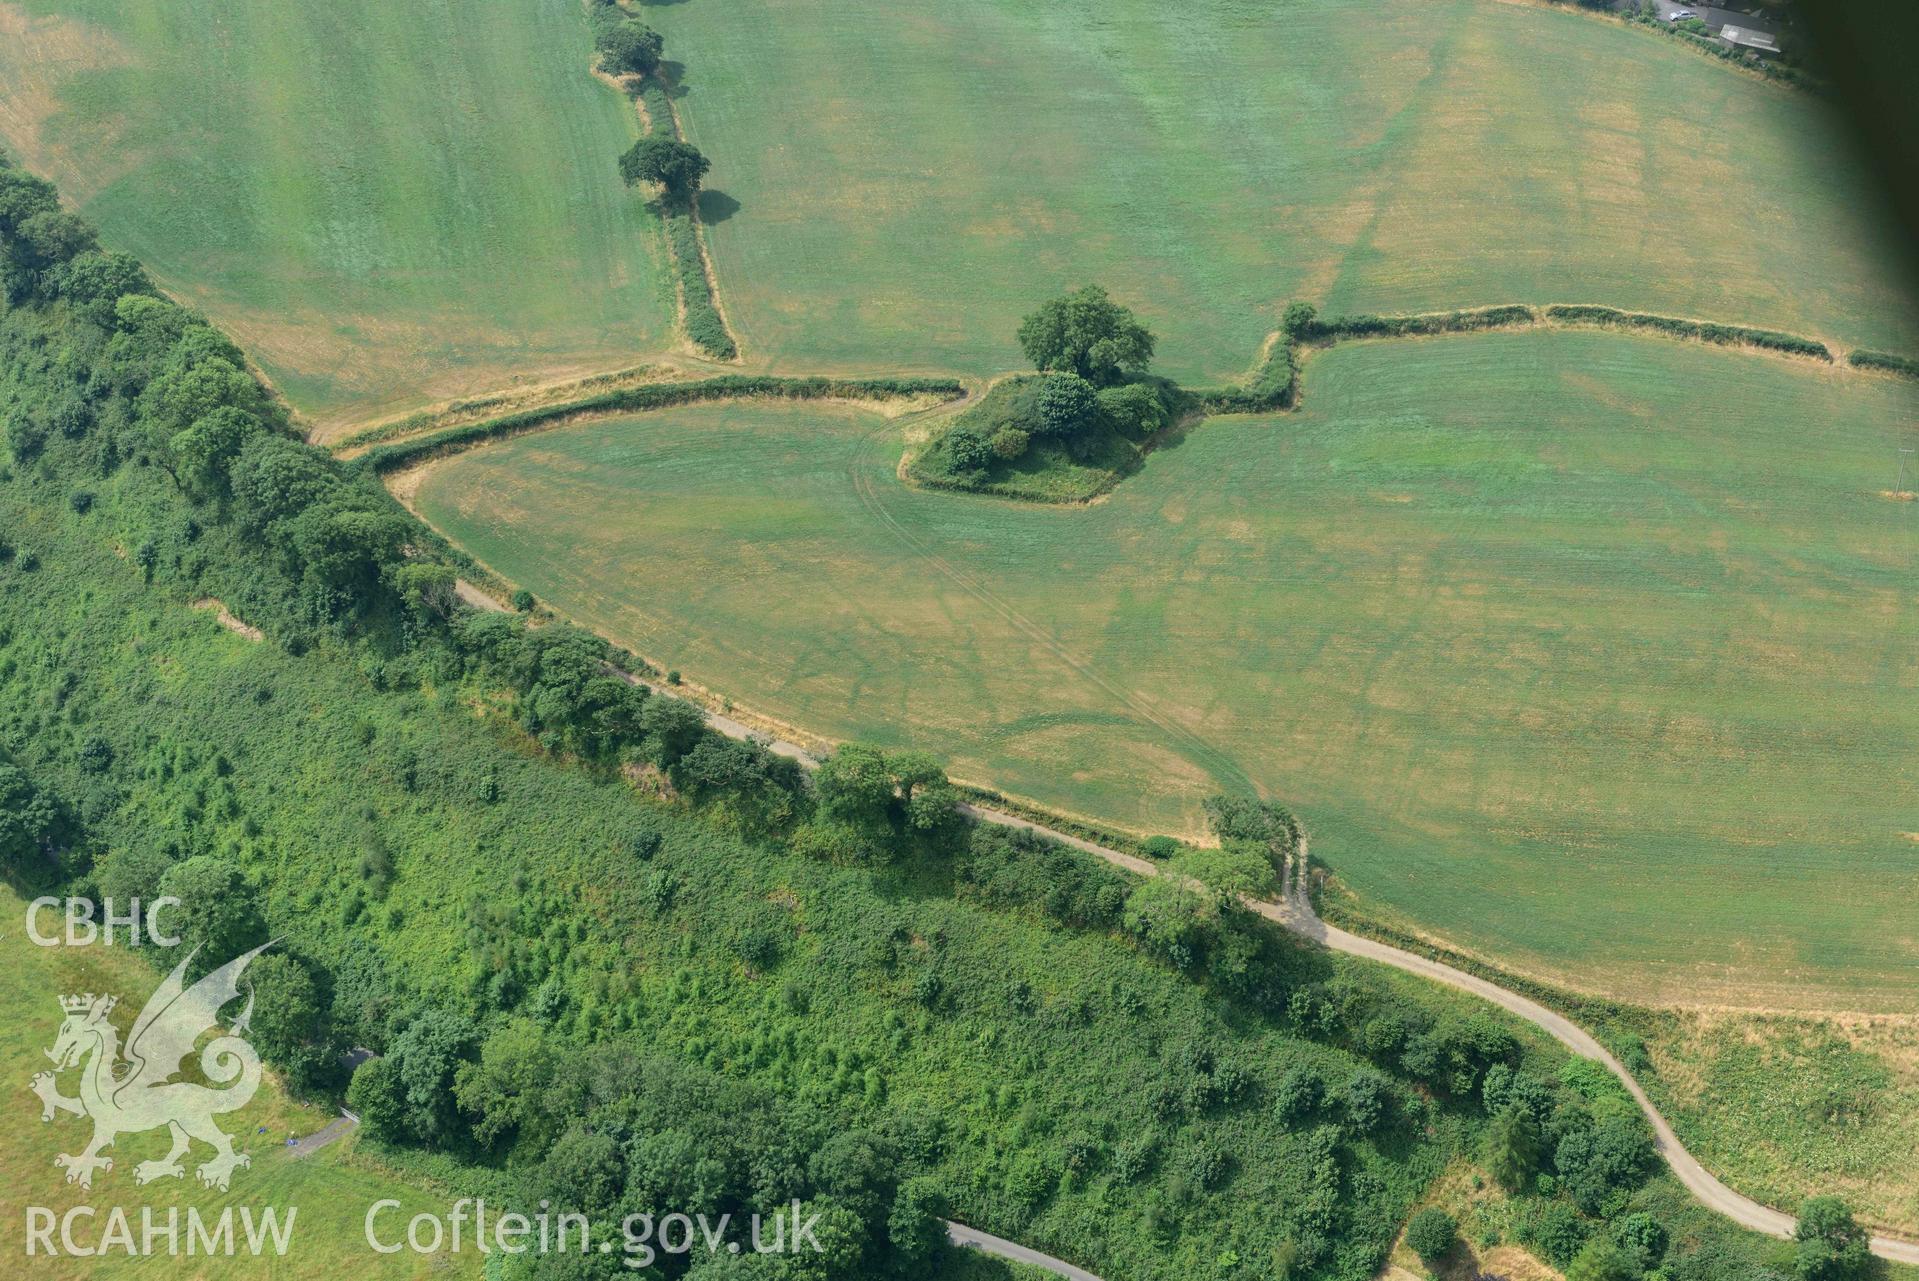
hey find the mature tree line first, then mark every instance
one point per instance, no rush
(628, 47)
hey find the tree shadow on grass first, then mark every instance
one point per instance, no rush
(716, 206)
(671, 77)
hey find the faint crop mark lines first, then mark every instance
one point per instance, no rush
(1218, 763)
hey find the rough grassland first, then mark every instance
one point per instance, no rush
(386, 204)
(910, 179)
(331, 1188)
(1585, 649)
(1784, 1108)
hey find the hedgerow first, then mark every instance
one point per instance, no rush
(1273, 387)
(1700, 330)
(386, 458)
(423, 419)
(1651, 15)
(704, 324)
(1905, 366)
(1445, 322)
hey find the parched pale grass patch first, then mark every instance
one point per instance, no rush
(386, 204)
(1581, 650)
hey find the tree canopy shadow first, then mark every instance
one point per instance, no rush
(716, 206)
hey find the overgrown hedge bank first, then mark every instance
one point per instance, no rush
(704, 324)
(1700, 330)
(1905, 366)
(388, 458)
(1438, 322)
(1271, 388)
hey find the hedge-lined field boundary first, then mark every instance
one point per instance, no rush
(1274, 385)
(705, 325)
(1884, 362)
(388, 458)
(477, 407)
(1422, 324)
(1647, 16)
(1699, 330)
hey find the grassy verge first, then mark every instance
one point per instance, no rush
(460, 413)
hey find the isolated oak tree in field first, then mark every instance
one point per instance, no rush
(677, 166)
(1088, 334)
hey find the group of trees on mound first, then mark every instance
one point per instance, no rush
(1087, 334)
(1092, 355)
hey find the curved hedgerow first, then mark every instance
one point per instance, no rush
(386, 458)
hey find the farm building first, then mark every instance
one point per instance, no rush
(1757, 42)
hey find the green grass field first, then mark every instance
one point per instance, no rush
(385, 204)
(330, 1189)
(912, 179)
(1587, 650)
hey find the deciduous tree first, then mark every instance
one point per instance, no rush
(1088, 334)
(677, 166)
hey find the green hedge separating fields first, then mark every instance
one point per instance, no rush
(1886, 362)
(388, 458)
(1273, 387)
(704, 324)
(1439, 322)
(1700, 330)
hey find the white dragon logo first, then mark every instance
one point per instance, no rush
(127, 1096)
